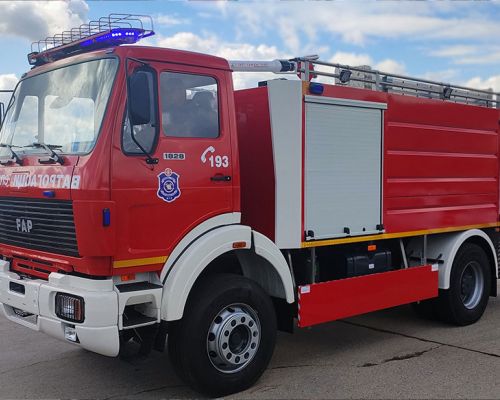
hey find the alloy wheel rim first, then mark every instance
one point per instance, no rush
(233, 338)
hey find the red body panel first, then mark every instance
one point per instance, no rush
(256, 160)
(440, 161)
(328, 301)
(150, 227)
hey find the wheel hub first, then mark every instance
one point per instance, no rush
(471, 285)
(233, 338)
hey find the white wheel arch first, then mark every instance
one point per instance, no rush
(445, 247)
(203, 245)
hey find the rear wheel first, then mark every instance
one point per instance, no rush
(466, 299)
(226, 338)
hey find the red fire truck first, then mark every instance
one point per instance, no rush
(143, 199)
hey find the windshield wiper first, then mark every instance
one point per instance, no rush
(49, 148)
(15, 157)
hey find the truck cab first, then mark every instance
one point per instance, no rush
(69, 129)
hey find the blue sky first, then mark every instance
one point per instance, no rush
(457, 41)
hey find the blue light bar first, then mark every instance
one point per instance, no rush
(116, 37)
(111, 31)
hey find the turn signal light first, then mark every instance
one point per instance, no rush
(70, 308)
(127, 277)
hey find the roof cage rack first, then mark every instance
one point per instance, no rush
(366, 78)
(110, 31)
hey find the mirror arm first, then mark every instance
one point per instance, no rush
(149, 160)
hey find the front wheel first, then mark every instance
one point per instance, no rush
(466, 299)
(226, 338)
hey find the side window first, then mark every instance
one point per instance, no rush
(144, 133)
(189, 105)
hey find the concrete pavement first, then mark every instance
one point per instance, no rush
(389, 354)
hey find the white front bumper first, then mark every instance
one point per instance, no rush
(98, 332)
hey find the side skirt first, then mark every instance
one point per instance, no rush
(329, 301)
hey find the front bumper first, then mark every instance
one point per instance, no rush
(98, 332)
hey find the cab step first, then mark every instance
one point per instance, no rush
(139, 304)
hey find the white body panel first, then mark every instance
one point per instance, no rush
(205, 226)
(181, 276)
(265, 248)
(343, 167)
(285, 110)
(98, 332)
(445, 247)
(194, 259)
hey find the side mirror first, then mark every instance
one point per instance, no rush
(139, 98)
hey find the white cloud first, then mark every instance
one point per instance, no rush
(442, 76)
(359, 22)
(352, 59)
(391, 66)
(355, 59)
(7, 82)
(454, 51)
(210, 43)
(36, 20)
(493, 82)
(170, 20)
(484, 56)
(469, 54)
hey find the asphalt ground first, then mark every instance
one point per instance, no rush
(388, 354)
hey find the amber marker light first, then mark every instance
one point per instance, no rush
(128, 277)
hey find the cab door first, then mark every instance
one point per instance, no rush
(189, 176)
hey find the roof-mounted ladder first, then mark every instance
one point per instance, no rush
(364, 77)
(368, 78)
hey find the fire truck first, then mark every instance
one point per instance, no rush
(143, 199)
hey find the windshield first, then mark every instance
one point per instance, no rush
(63, 107)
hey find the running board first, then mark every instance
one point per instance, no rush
(329, 301)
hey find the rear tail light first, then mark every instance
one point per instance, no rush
(70, 308)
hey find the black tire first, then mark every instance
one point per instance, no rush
(426, 309)
(461, 305)
(189, 340)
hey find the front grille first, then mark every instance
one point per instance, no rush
(46, 225)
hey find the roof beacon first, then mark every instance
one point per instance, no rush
(111, 31)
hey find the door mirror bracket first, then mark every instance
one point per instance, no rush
(140, 100)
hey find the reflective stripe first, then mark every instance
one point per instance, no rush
(357, 239)
(136, 262)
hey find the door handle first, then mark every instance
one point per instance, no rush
(220, 178)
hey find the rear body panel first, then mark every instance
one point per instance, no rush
(439, 165)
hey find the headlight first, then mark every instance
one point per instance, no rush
(70, 307)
